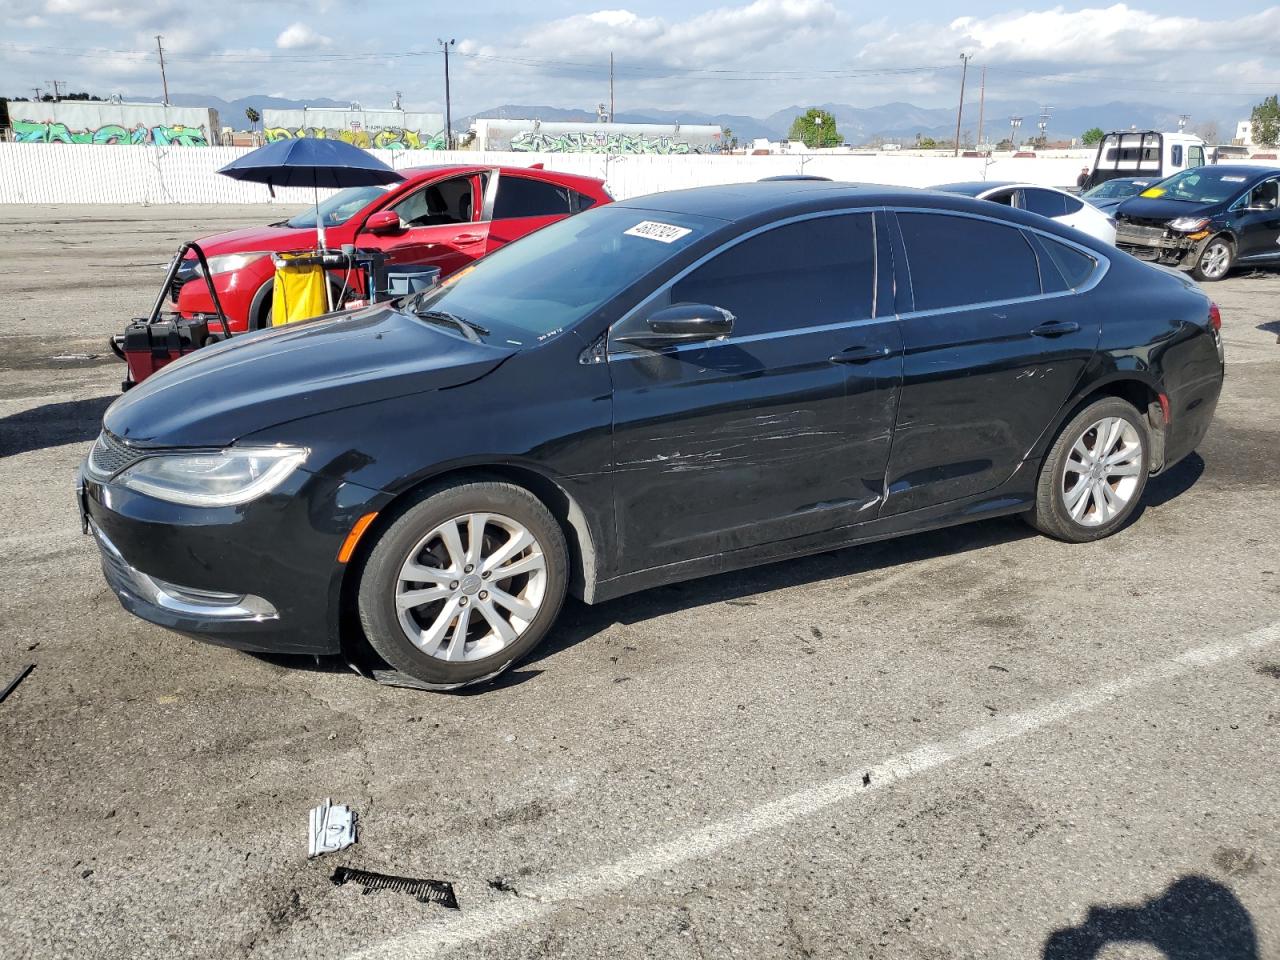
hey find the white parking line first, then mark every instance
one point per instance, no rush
(703, 842)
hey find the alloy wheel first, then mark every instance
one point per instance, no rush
(471, 587)
(1215, 260)
(1103, 472)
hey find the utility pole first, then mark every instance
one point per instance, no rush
(448, 106)
(1182, 121)
(163, 79)
(37, 93)
(1044, 124)
(964, 71)
(1014, 124)
(57, 94)
(611, 86)
(982, 105)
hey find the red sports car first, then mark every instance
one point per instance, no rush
(445, 216)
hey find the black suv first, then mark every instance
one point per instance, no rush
(1206, 220)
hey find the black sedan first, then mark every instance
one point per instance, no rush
(674, 386)
(1205, 220)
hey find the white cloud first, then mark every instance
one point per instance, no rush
(301, 36)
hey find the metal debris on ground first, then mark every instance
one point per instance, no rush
(333, 828)
(22, 675)
(426, 891)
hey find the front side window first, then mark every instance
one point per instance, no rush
(449, 201)
(522, 197)
(1195, 156)
(1265, 195)
(801, 274)
(1044, 202)
(956, 261)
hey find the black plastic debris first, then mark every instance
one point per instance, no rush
(426, 891)
(22, 675)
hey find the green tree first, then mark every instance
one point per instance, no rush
(1266, 121)
(927, 143)
(1091, 136)
(815, 128)
(252, 116)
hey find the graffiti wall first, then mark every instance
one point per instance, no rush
(370, 129)
(75, 121)
(536, 136)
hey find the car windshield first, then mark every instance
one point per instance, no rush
(1113, 189)
(339, 208)
(547, 282)
(1199, 186)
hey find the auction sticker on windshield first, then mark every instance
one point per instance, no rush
(662, 232)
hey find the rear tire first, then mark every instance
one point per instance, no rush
(1215, 260)
(1092, 479)
(446, 609)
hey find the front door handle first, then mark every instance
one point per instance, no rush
(859, 354)
(466, 239)
(1055, 328)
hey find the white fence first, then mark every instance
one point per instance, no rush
(34, 173)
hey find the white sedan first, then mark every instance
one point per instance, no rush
(1046, 201)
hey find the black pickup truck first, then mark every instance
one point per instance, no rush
(1205, 220)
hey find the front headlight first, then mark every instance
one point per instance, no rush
(231, 262)
(1188, 224)
(223, 478)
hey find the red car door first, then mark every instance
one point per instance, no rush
(440, 224)
(519, 205)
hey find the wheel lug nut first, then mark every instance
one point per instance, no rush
(485, 575)
(468, 568)
(462, 602)
(484, 594)
(453, 585)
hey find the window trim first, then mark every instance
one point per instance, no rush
(1104, 263)
(626, 351)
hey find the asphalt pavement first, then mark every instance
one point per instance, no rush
(974, 743)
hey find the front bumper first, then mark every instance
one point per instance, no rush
(262, 577)
(1147, 243)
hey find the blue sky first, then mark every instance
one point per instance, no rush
(750, 57)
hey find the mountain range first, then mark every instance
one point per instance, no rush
(889, 121)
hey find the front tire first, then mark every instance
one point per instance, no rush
(1092, 480)
(464, 583)
(1215, 260)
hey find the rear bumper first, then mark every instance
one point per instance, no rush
(262, 577)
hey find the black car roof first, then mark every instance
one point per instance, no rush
(1251, 170)
(749, 204)
(971, 188)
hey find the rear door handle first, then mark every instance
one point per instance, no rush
(1055, 328)
(859, 354)
(465, 239)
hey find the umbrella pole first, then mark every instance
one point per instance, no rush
(315, 186)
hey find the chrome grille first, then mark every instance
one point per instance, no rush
(1126, 231)
(109, 455)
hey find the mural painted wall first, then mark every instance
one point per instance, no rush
(370, 129)
(536, 136)
(75, 121)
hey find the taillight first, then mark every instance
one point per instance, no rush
(1215, 316)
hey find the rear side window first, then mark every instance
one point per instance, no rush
(520, 197)
(583, 201)
(1071, 205)
(1176, 157)
(1062, 267)
(956, 261)
(799, 275)
(1044, 202)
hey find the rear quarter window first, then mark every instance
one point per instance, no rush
(957, 261)
(1063, 267)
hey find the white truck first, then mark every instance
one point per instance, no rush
(1149, 154)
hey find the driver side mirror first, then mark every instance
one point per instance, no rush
(682, 323)
(383, 222)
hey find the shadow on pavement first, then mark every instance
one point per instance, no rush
(1180, 478)
(52, 425)
(1195, 919)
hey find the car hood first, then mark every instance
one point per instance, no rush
(273, 239)
(1158, 208)
(255, 381)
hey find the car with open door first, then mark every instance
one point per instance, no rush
(677, 385)
(1048, 202)
(445, 216)
(1206, 220)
